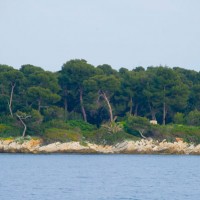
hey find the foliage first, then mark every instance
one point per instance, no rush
(54, 112)
(6, 119)
(21, 140)
(34, 124)
(3, 127)
(9, 131)
(74, 116)
(179, 118)
(112, 127)
(56, 123)
(84, 126)
(100, 136)
(193, 118)
(60, 101)
(61, 135)
(137, 125)
(171, 132)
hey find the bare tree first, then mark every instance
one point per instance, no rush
(103, 94)
(11, 98)
(22, 117)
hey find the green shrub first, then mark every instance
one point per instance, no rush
(169, 132)
(61, 135)
(136, 125)
(189, 134)
(74, 116)
(3, 127)
(56, 123)
(100, 136)
(34, 123)
(21, 140)
(179, 118)
(54, 112)
(112, 127)
(6, 138)
(9, 131)
(82, 125)
(7, 119)
(193, 118)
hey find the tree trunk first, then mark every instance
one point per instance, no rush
(136, 110)
(164, 108)
(109, 106)
(153, 114)
(65, 107)
(164, 113)
(152, 111)
(39, 105)
(131, 106)
(24, 132)
(25, 128)
(82, 107)
(65, 102)
(141, 134)
(11, 99)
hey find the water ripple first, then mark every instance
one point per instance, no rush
(99, 177)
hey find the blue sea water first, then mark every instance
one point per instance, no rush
(99, 177)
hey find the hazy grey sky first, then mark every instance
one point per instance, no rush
(122, 33)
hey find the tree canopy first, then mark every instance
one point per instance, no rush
(98, 94)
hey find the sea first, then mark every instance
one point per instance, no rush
(99, 177)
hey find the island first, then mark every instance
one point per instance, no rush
(96, 109)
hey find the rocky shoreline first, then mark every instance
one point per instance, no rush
(127, 147)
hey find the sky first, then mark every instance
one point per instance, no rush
(121, 33)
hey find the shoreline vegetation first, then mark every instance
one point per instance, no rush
(99, 109)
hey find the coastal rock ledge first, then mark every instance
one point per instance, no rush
(127, 147)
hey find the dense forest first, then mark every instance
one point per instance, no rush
(96, 96)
